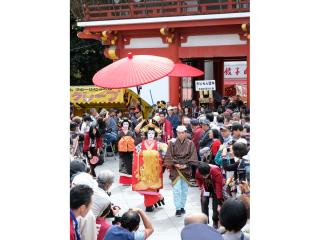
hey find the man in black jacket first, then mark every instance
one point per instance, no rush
(205, 141)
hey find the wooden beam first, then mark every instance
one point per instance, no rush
(213, 51)
(184, 24)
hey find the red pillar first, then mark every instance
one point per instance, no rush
(174, 82)
(248, 72)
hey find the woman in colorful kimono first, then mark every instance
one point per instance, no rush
(125, 148)
(147, 166)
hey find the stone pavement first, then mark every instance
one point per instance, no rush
(166, 225)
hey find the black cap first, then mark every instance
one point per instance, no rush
(237, 126)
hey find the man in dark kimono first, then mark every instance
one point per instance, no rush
(180, 156)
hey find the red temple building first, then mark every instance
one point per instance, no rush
(210, 35)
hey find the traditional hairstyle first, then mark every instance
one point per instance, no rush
(150, 124)
(121, 122)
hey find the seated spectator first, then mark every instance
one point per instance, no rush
(76, 167)
(103, 208)
(80, 204)
(200, 231)
(129, 225)
(105, 180)
(233, 216)
(87, 224)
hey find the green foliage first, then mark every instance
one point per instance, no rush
(86, 57)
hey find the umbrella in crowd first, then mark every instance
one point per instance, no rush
(134, 70)
(184, 70)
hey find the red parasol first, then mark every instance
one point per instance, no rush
(133, 71)
(184, 70)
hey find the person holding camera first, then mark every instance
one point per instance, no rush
(210, 180)
(238, 165)
(129, 225)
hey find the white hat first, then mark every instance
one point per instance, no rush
(170, 108)
(181, 128)
(242, 140)
(85, 179)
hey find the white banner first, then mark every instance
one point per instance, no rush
(205, 85)
(235, 70)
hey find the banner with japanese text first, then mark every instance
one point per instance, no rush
(93, 94)
(235, 70)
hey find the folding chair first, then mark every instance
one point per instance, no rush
(105, 151)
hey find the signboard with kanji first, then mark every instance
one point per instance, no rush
(235, 70)
(205, 85)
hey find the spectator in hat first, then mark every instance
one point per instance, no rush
(129, 225)
(87, 224)
(180, 156)
(233, 216)
(76, 167)
(205, 141)
(200, 231)
(226, 134)
(80, 204)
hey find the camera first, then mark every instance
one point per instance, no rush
(116, 221)
(243, 170)
(241, 174)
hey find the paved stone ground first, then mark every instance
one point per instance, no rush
(167, 226)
